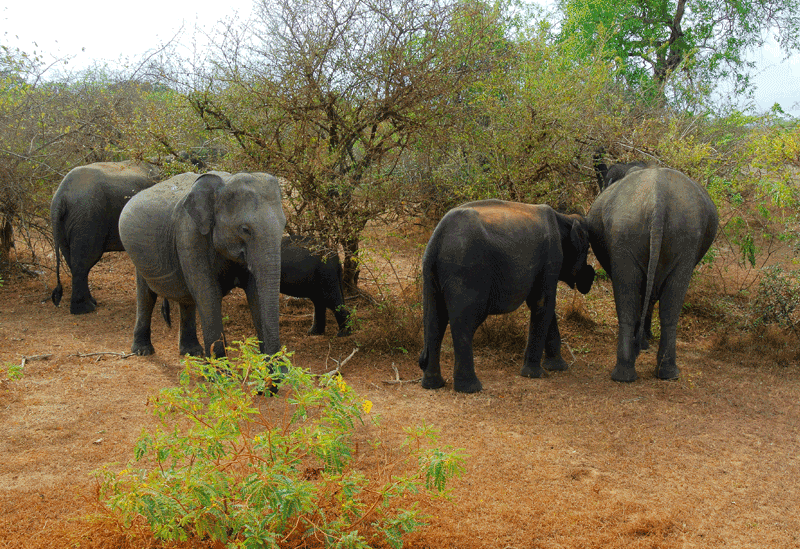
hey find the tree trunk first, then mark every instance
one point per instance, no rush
(350, 268)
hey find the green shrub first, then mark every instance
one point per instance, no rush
(229, 465)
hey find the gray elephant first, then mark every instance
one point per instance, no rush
(305, 272)
(192, 239)
(487, 258)
(649, 230)
(85, 219)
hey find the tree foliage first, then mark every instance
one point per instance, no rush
(706, 39)
(330, 96)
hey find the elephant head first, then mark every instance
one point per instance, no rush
(575, 244)
(244, 221)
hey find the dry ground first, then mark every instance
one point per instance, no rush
(571, 460)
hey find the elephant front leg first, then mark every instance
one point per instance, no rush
(552, 349)
(145, 303)
(542, 316)
(188, 343)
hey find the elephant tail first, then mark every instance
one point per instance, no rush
(434, 309)
(58, 291)
(165, 313)
(656, 239)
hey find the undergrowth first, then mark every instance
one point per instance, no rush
(228, 465)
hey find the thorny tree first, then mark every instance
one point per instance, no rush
(329, 95)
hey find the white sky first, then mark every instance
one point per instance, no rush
(110, 30)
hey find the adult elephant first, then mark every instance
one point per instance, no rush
(84, 214)
(487, 258)
(308, 273)
(192, 239)
(649, 230)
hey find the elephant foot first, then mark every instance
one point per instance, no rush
(668, 372)
(314, 331)
(467, 386)
(432, 382)
(140, 349)
(624, 374)
(344, 332)
(191, 350)
(532, 371)
(644, 344)
(554, 364)
(82, 307)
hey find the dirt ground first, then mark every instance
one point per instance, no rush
(570, 460)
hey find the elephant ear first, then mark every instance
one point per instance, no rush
(199, 203)
(579, 237)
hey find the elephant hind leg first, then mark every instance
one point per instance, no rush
(318, 327)
(83, 257)
(435, 320)
(463, 329)
(145, 303)
(669, 309)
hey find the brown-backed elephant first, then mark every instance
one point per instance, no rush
(192, 239)
(649, 230)
(487, 258)
(85, 219)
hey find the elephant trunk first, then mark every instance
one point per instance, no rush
(265, 272)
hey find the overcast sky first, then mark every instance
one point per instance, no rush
(107, 30)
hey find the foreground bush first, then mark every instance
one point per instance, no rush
(231, 466)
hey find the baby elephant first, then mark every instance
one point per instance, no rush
(306, 272)
(487, 258)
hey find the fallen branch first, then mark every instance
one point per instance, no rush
(100, 353)
(339, 364)
(397, 379)
(25, 359)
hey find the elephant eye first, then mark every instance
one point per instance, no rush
(246, 230)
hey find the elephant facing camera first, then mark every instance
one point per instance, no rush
(193, 238)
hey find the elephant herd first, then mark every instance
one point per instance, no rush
(194, 237)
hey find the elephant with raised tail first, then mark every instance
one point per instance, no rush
(84, 214)
(192, 239)
(649, 230)
(487, 258)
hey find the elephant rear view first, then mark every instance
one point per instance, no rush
(649, 230)
(85, 213)
(192, 239)
(487, 258)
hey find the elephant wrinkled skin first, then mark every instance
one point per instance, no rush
(649, 230)
(192, 239)
(487, 258)
(85, 213)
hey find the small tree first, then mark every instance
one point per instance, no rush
(329, 95)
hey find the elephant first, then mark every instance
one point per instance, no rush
(305, 272)
(85, 218)
(607, 176)
(648, 231)
(487, 258)
(192, 239)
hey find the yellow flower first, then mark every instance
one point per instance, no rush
(366, 406)
(340, 383)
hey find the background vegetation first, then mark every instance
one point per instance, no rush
(374, 111)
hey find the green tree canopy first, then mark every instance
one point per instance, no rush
(708, 40)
